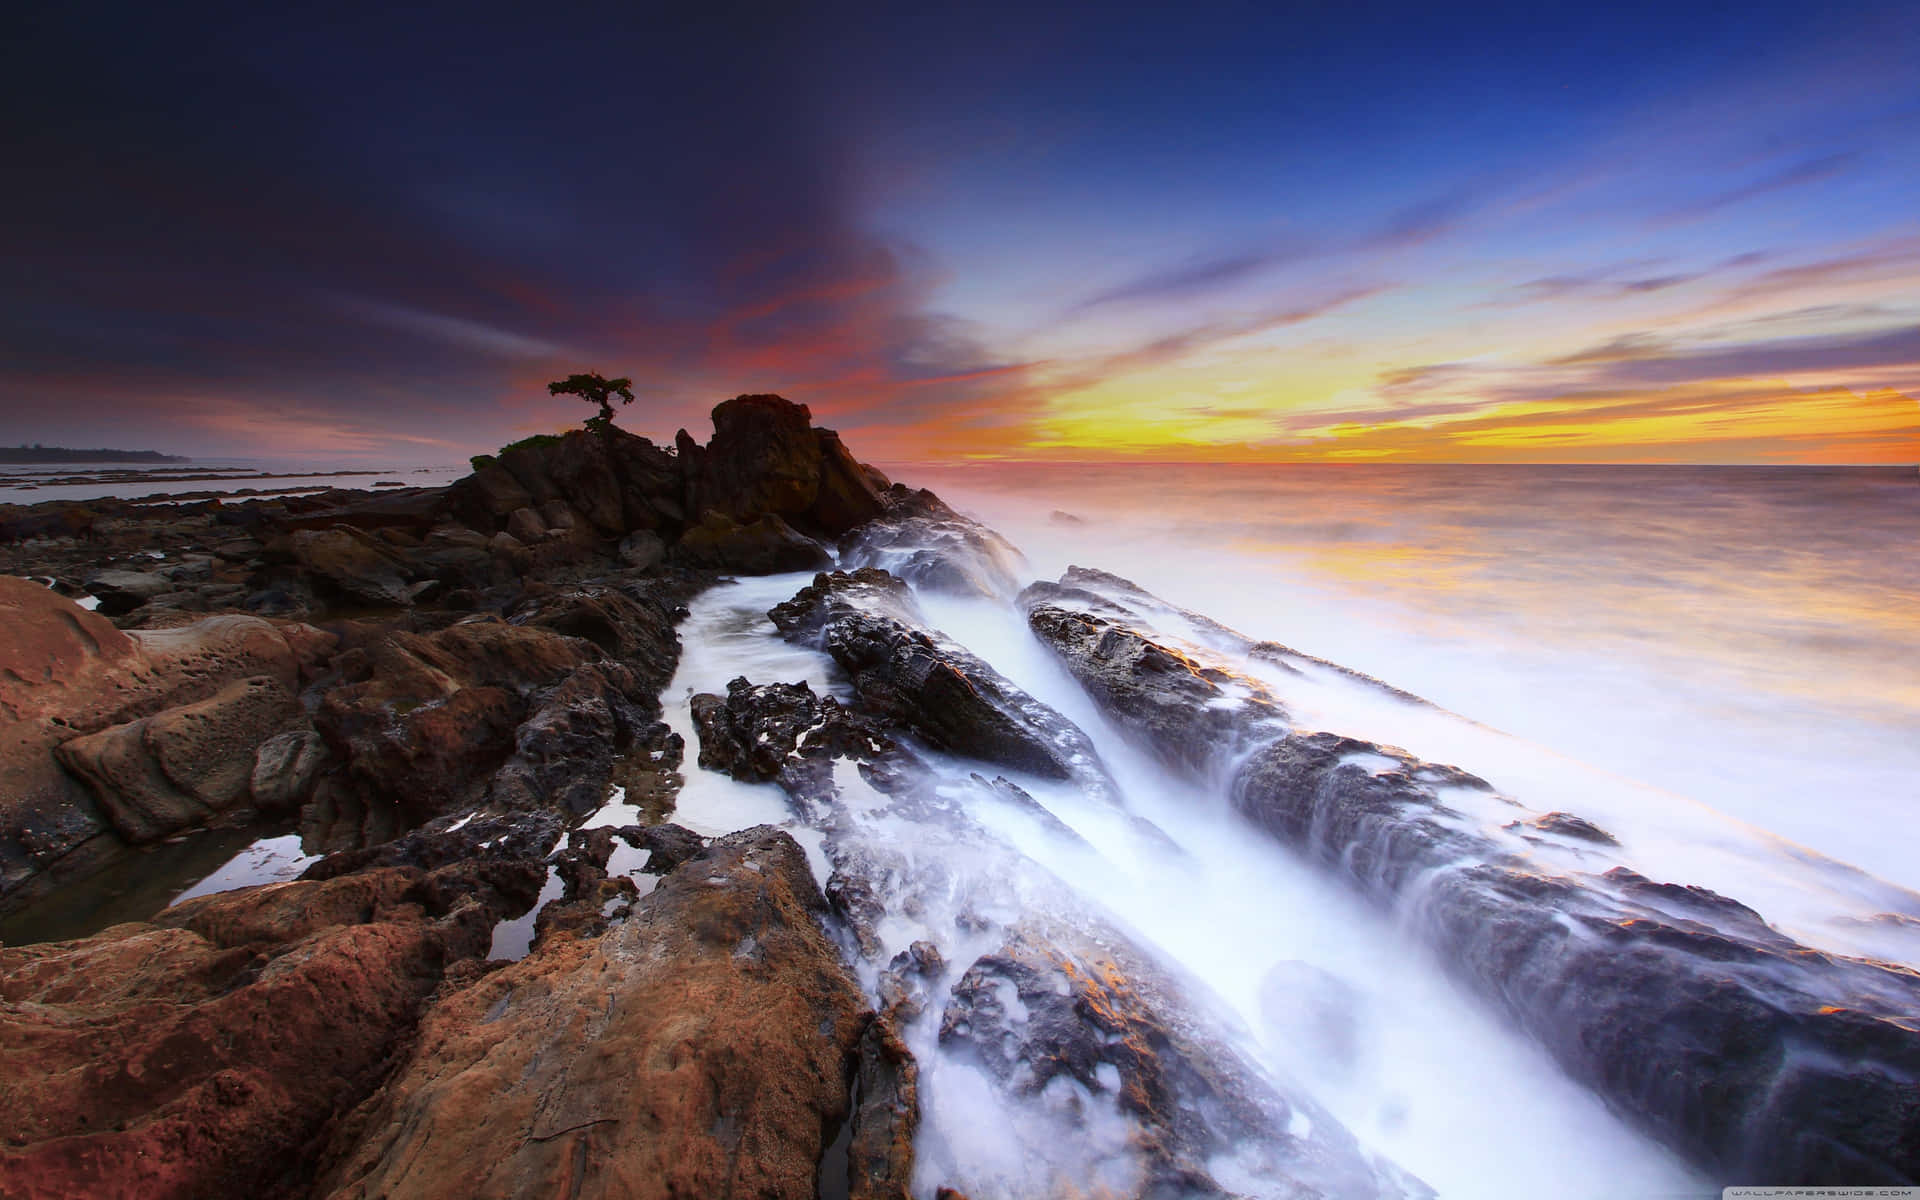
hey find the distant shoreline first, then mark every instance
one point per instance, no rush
(61, 454)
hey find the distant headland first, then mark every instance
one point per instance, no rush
(61, 454)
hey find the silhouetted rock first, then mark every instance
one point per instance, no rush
(765, 546)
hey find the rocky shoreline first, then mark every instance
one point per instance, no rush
(472, 990)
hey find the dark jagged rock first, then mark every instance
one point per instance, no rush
(1755, 1056)
(564, 751)
(766, 545)
(766, 458)
(953, 701)
(757, 732)
(944, 695)
(703, 1046)
(1051, 1009)
(1184, 710)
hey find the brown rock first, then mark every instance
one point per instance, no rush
(346, 564)
(177, 768)
(703, 1047)
(767, 546)
(65, 672)
(164, 1062)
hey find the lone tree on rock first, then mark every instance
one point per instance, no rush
(595, 389)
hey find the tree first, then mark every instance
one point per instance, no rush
(594, 389)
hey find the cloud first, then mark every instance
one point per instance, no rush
(1812, 170)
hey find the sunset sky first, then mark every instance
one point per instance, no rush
(1348, 230)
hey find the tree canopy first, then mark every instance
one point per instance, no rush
(595, 389)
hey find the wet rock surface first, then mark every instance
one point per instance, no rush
(1750, 1053)
(1188, 713)
(704, 1046)
(1087, 1022)
(947, 697)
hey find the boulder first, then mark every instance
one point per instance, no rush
(526, 526)
(701, 1047)
(1090, 1021)
(203, 1057)
(1184, 710)
(642, 550)
(285, 768)
(66, 672)
(349, 566)
(765, 546)
(181, 766)
(123, 591)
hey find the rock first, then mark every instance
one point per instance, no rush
(565, 749)
(921, 540)
(956, 703)
(123, 591)
(701, 1047)
(880, 1147)
(347, 565)
(422, 721)
(284, 770)
(492, 490)
(180, 767)
(1578, 828)
(636, 628)
(396, 511)
(525, 525)
(1185, 715)
(1756, 1057)
(642, 550)
(765, 546)
(203, 1058)
(66, 672)
(1089, 1021)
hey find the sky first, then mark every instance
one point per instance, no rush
(1344, 231)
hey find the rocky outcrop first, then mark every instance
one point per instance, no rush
(202, 1055)
(66, 673)
(766, 458)
(944, 695)
(180, 767)
(1189, 713)
(352, 567)
(704, 1046)
(1756, 1057)
(922, 541)
(755, 499)
(1054, 1012)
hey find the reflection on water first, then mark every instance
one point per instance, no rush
(149, 879)
(1746, 635)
